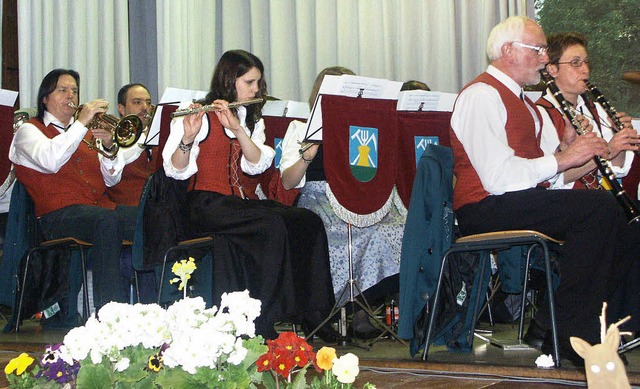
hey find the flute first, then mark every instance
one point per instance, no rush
(210, 107)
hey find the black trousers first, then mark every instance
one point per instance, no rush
(279, 253)
(599, 253)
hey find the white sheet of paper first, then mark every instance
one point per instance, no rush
(286, 108)
(170, 95)
(8, 97)
(350, 86)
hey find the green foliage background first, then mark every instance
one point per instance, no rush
(613, 32)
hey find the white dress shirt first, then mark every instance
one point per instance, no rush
(177, 131)
(291, 147)
(33, 149)
(479, 120)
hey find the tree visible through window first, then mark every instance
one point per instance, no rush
(613, 32)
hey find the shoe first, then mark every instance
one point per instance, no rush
(535, 334)
(361, 328)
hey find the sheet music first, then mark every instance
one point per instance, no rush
(286, 108)
(8, 97)
(421, 100)
(350, 86)
(171, 96)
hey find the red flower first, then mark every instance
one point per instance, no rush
(286, 352)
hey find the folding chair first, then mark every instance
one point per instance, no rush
(500, 241)
(69, 243)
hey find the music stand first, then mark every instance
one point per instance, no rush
(337, 115)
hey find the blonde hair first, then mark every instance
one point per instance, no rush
(332, 71)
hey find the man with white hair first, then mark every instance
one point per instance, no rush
(502, 175)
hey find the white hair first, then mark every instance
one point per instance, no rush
(510, 30)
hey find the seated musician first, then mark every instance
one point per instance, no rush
(375, 249)
(135, 99)
(278, 253)
(569, 67)
(502, 175)
(67, 180)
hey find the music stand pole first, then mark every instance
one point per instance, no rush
(351, 284)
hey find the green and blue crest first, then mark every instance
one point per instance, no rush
(363, 152)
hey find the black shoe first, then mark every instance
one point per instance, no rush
(361, 327)
(535, 334)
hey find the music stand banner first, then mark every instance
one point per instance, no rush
(359, 141)
(165, 130)
(6, 136)
(415, 130)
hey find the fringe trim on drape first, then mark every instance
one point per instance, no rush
(354, 218)
(397, 201)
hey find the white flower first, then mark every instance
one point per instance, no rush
(238, 354)
(122, 365)
(545, 361)
(346, 368)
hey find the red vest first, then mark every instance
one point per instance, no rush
(79, 181)
(559, 124)
(215, 161)
(521, 137)
(134, 176)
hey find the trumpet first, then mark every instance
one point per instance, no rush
(207, 108)
(125, 132)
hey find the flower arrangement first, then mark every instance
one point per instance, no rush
(144, 345)
(185, 345)
(290, 352)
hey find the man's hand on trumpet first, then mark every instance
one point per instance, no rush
(90, 109)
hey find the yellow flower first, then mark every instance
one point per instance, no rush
(325, 357)
(18, 364)
(183, 270)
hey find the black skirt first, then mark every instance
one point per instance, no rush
(279, 253)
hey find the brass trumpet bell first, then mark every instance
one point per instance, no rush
(125, 131)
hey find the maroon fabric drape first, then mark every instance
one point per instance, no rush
(165, 129)
(410, 125)
(338, 114)
(6, 135)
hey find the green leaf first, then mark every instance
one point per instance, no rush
(94, 377)
(300, 380)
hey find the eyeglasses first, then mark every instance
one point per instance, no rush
(576, 62)
(541, 50)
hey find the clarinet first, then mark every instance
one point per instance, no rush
(611, 112)
(631, 210)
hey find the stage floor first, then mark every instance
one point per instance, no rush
(387, 363)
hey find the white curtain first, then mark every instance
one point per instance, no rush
(90, 37)
(439, 42)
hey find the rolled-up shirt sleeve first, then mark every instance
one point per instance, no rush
(291, 146)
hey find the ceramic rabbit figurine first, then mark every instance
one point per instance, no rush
(603, 366)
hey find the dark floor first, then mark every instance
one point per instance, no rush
(387, 363)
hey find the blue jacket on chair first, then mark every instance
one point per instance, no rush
(427, 234)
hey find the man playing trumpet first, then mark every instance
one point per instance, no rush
(67, 181)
